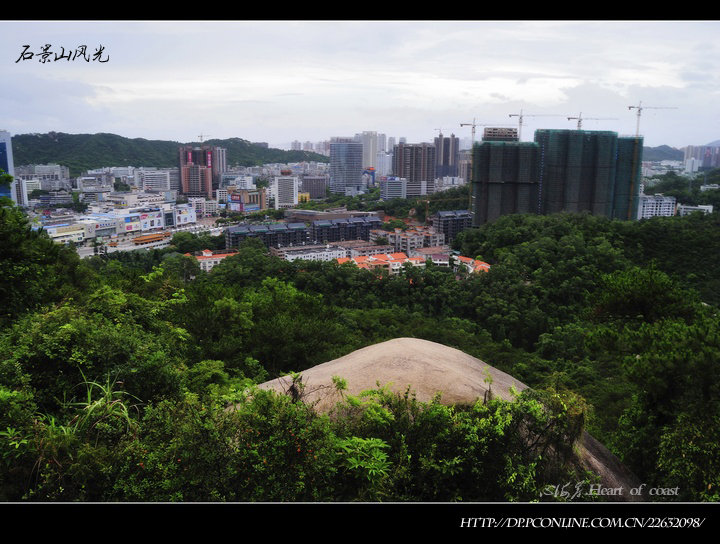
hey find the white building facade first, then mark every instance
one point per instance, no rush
(656, 206)
(285, 189)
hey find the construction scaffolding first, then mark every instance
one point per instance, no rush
(505, 179)
(561, 171)
(577, 171)
(627, 184)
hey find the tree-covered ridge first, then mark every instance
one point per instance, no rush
(662, 153)
(114, 387)
(81, 152)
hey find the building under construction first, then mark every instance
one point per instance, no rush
(628, 177)
(561, 171)
(504, 179)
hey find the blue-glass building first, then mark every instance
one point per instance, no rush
(6, 162)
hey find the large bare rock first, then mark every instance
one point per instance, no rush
(428, 368)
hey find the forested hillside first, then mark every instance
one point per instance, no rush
(663, 153)
(81, 152)
(115, 378)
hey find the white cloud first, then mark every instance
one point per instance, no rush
(285, 80)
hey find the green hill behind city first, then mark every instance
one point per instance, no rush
(81, 152)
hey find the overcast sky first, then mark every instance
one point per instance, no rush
(282, 81)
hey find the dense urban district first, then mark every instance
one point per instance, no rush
(139, 303)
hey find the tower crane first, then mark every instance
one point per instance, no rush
(580, 119)
(522, 115)
(201, 137)
(639, 109)
(473, 125)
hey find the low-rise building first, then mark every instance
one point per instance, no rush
(208, 259)
(656, 206)
(66, 233)
(393, 187)
(392, 263)
(409, 239)
(337, 230)
(246, 200)
(272, 235)
(313, 253)
(438, 255)
(472, 265)
(451, 223)
(330, 251)
(683, 209)
(203, 207)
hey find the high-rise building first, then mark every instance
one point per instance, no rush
(346, 168)
(316, 186)
(201, 169)
(382, 143)
(708, 156)
(383, 163)
(577, 170)
(196, 180)
(447, 154)
(416, 163)
(7, 165)
(628, 176)
(369, 141)
(504, 179)
(465, 165)
(285, 190)
(591, 171)
(561, 171)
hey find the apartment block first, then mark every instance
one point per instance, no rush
(393, 187)
(271, 235)
(451, 223)
(336, 230)
(391, 263)
(656, 206)
(415, 163)
(413, 238)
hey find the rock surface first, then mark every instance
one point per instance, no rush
(429, 368)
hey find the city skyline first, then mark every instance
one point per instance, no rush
(280, 81)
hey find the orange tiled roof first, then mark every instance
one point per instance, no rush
(207, 254)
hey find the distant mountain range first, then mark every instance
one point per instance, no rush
(81, 152)
(662, 153)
